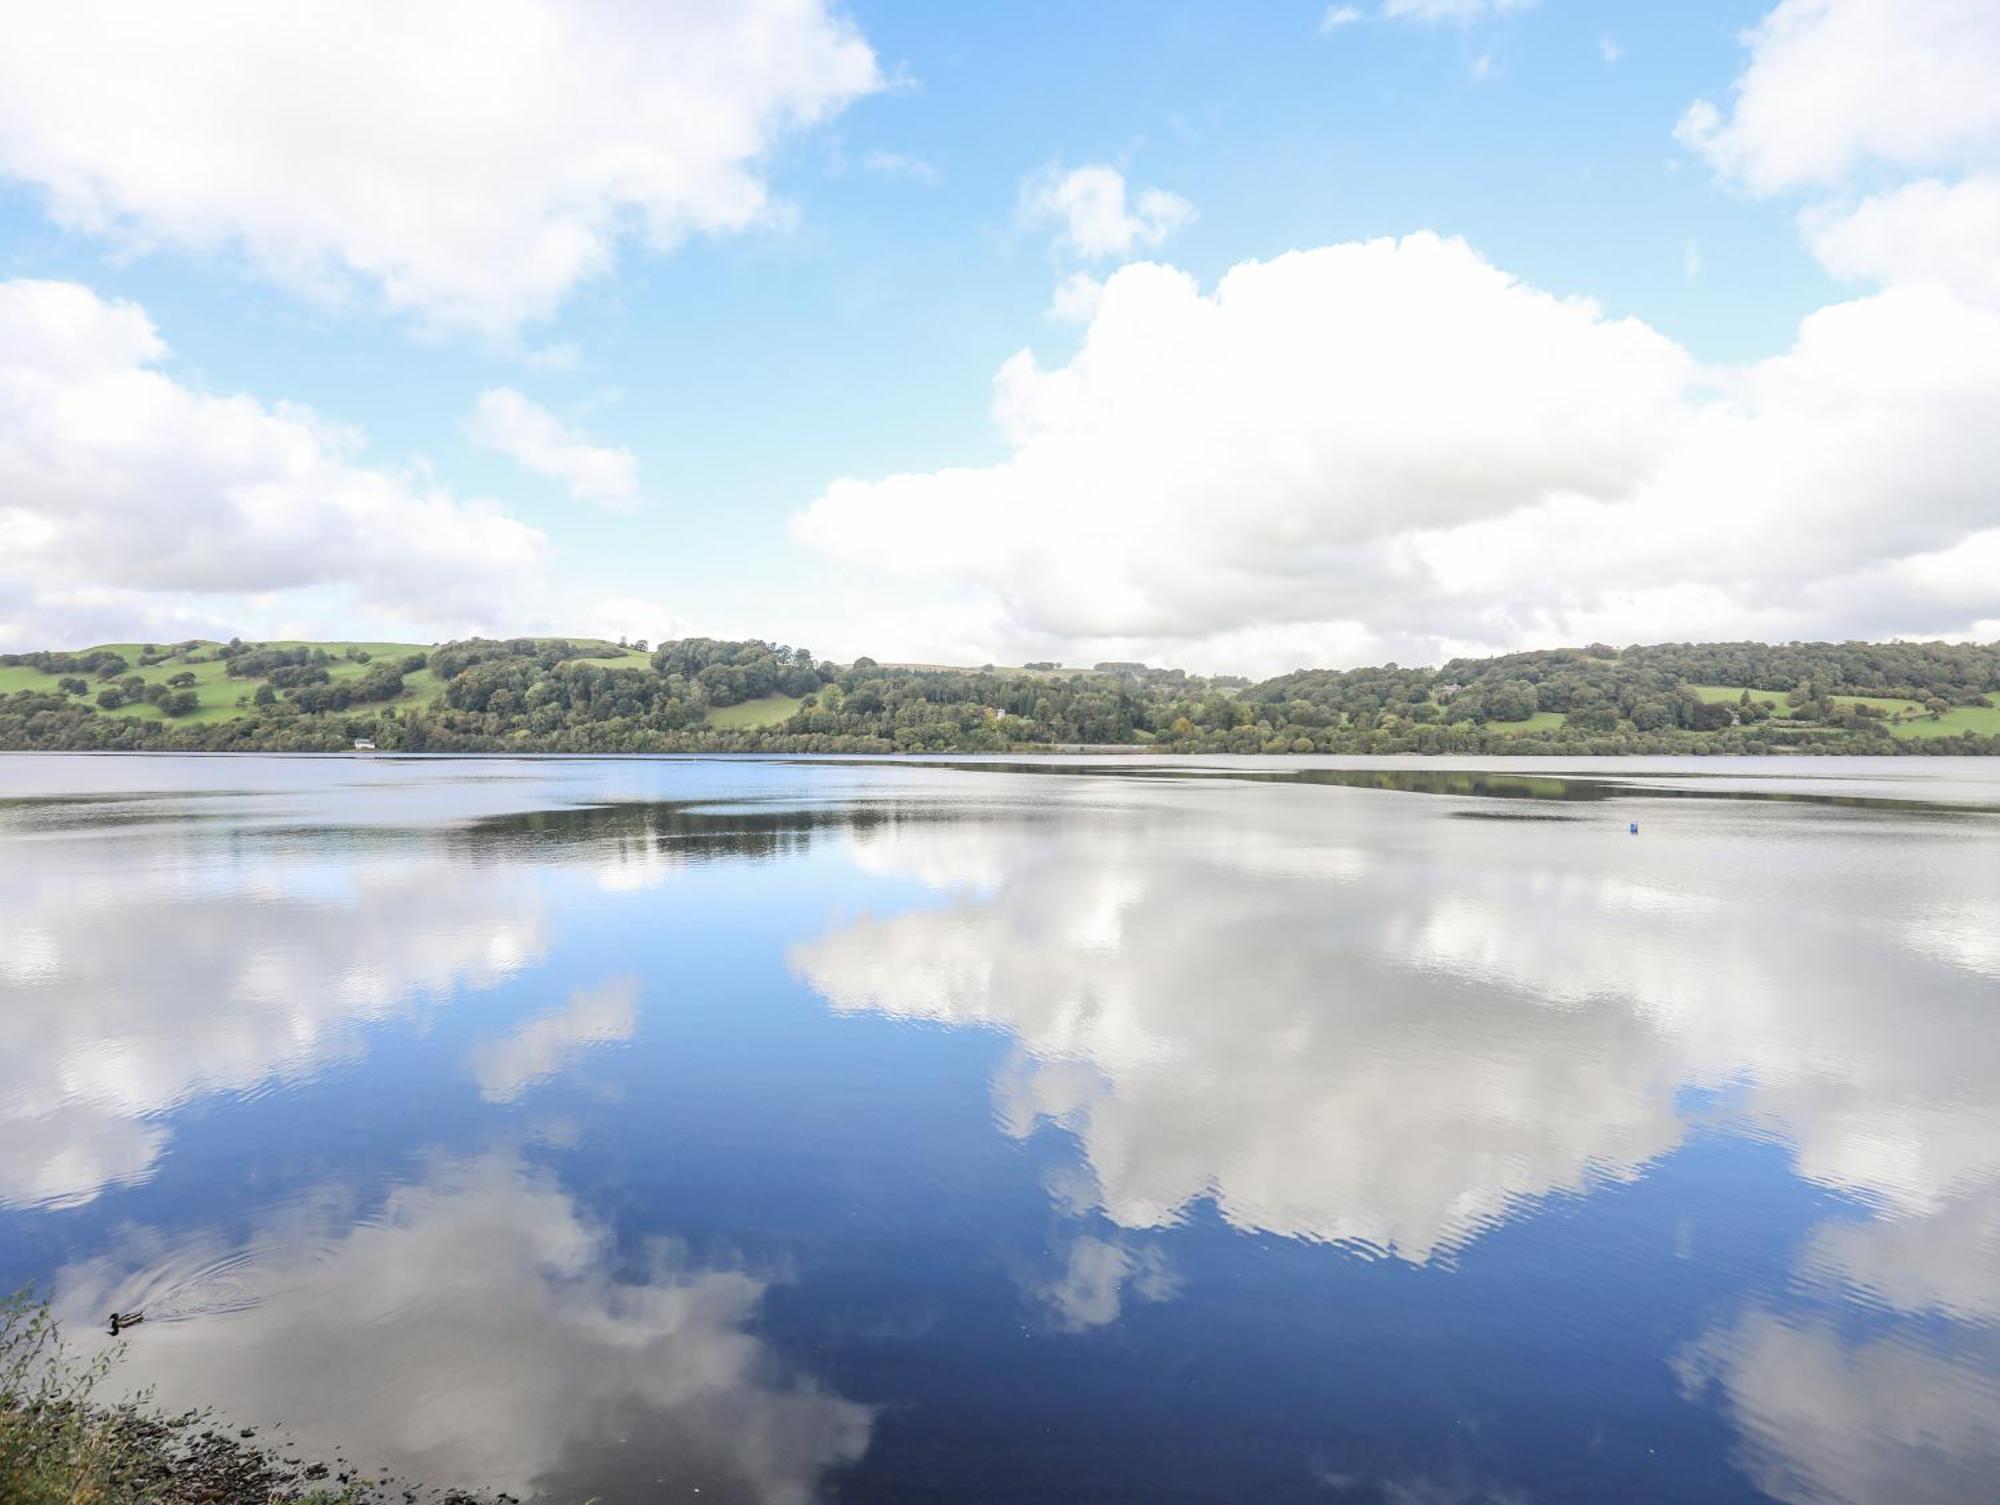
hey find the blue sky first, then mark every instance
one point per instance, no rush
(853, 328)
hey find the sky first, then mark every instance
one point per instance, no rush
(1235, 337)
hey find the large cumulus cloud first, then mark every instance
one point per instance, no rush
(1833, 85)
(128, 495)
(472, 162)
(1395, 449)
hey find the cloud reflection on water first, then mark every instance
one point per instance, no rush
(603, 1015)
(1831, 1415)
(472, 1330)
(157, 978)
(1098, 1277)
(1334, 1016)
(1362, 1021)
(1218, 1009)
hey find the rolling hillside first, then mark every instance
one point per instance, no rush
(699, 694)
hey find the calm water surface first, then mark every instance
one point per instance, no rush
(1285, 1130)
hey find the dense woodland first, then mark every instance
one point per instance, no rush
(700, 694)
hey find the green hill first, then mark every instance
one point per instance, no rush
(701, 694)
(225, 694)
(221, 697)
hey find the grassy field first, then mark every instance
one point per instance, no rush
(1776, 699)
(768, 710)
(1540, 721)
(1892, 706)
(1984, 719)
(1734, 693)
(225, 699)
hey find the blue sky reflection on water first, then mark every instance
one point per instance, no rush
(846, 1131)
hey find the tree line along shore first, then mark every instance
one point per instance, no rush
(561, 695)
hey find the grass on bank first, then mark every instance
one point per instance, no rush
(56, 1446)
(61, 1445)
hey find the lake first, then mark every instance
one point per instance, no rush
(1275, 1129)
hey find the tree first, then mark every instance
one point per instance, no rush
(1510, 700)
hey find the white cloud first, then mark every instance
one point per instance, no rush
(903, 165)
(529, 434)
(562, 356)
(1394, 449)
(1211, 462)
(1838, 93)
(123, 490)
(474, 164)
(1076, 298)
(38, 614)
(1608, 48)
(630, 617)
(1833, 84)
(603, 1015)
(1337, 16)
(1926, 231)
(1459, 11)
(1087, 207)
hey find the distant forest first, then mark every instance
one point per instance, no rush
(705, 695)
